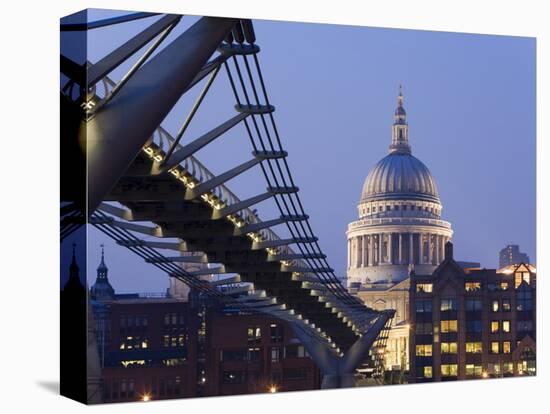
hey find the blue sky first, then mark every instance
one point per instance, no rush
(470, 101)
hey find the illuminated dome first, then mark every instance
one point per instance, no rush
(400, 175)
(400, 225)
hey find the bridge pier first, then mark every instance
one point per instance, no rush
(339, 370)
(338, 381)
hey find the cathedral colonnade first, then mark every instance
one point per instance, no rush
(396, 248)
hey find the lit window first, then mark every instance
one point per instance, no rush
(449, 370)
(494, 306)
(506, 306)
(521, 277)
(494, 326)
(506, 347)
(473, 370)
(449, 304)
(254, 334)
(449, 347)
(506, 326)
(504, 285)
(472, 286)
(508, 368)
(495, 347)
(428, 372)
(424, 287)
(493, 369)
(449, 326)
(130, 363)
(423, 350)
(474, 347)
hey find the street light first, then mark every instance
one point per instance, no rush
(146, 397)
(272, 389)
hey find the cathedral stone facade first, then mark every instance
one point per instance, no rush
(399, 230)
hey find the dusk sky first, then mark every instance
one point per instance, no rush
(470, 101)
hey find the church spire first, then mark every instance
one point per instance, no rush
(102, 289)
(102, 268)
(73, 268)
(400, 128)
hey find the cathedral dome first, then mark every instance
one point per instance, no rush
(400, 175)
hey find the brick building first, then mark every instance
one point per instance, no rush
(156, 346)
(147, 348)
(251, 353)
(472, 323)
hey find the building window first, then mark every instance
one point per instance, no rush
(134, 342)
(449, 326)
(275, 354)
(174, 319)
(493, 369)
(473, 326)
(253, 354)
(449, 347)
(494, 306)
(524, 299)
(525, 326)
(424, 287)
(276, 333)
(424, 328)
(424, 350)
(428, 372)
(449, 370)
(449, 304)
(423, 305)
(472, 286)
(254, 334)
(473, 370)
(506, 305)
(474, 304)
(508, 368)
(521, 277)
(173, 362)
(173, 341)
(495, 347)
(504, 285)
(506, 347)
(295, 351)
(474, 347)
(495, 326)
(505, 326)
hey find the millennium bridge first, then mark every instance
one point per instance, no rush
(145, 188)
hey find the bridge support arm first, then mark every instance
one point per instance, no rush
(140, 106)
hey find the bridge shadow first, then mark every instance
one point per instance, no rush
(51, 386)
